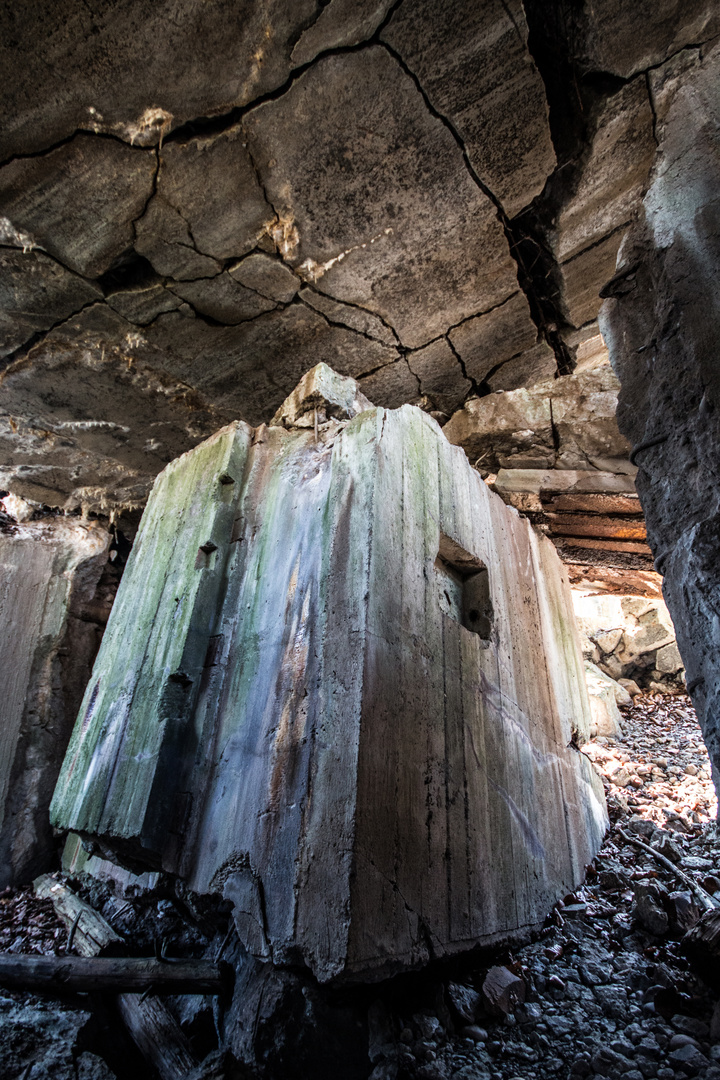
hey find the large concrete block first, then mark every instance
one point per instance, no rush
(49, 571)
(341, 685)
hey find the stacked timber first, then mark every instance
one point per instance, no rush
(342, 686)
(594, 519)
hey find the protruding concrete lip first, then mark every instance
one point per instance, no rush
(321, 387)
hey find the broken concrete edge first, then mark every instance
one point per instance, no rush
(322, 389)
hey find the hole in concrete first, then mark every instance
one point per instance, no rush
(205, 559)
(463, 585)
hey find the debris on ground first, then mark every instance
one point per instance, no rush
(623, 980)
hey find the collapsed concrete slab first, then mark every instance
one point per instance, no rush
(50, 571)
(341, 685)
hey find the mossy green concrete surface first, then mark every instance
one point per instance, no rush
(304, 725)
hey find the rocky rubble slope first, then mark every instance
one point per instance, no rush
(608, 987)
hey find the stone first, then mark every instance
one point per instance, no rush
(668, 659)
(321, 388)
(508, 429)
(211, 183)
(688, 1058)
(683, 911)
(584, 417)
(268, 276)
(607, 1062)
(92, 1067)
(476, 69)
(355, 318)
(121, 420)
(650, 907)
(642, 623)
(139, 71)
(503, 425)
(392, 385)
(43, 1038)
(36, 293)
(535, 365)
(466, 1001)
(50, 571)
(606, 719)
(622, 43)
(440, 374)
(349, 886)
(223, 299)
(550, 481)
(613, 174)
(339, 24)
(631, 686)
(143, 304)
(426, 245)
(162, 236)
(488, 340)
(609, 639)
(257, 363)
(78, 202)
(672, 252)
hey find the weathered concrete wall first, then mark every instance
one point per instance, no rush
(49, 571)
(322, 693)
(662, 323)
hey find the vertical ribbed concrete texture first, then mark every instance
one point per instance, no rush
(342, 686)
(49, 571)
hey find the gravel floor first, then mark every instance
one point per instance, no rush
(608, 987)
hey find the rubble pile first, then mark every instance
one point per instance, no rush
(632, 640)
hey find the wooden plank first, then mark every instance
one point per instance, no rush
(594, 504)
(597, 527)
(119, 974)
(606, 545)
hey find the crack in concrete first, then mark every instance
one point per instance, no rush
(39, 336)
(298, 301)
(653, 109)
(358, 307)
(525, 281)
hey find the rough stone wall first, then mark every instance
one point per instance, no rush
(662, 322)
(51, 623)
(198, 204)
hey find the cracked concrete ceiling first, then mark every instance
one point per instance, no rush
(198, 202)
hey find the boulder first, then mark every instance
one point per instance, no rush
(604, 699)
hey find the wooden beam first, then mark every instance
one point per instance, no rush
(612, 527)
(594, 504)
(606, 545)
(126, 974)
(91, 933)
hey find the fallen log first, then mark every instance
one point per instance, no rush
(157, 1035)
(707, 901)
(88, 930)
(119, 975)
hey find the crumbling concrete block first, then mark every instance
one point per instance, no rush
(50, 570)
(340, 685)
